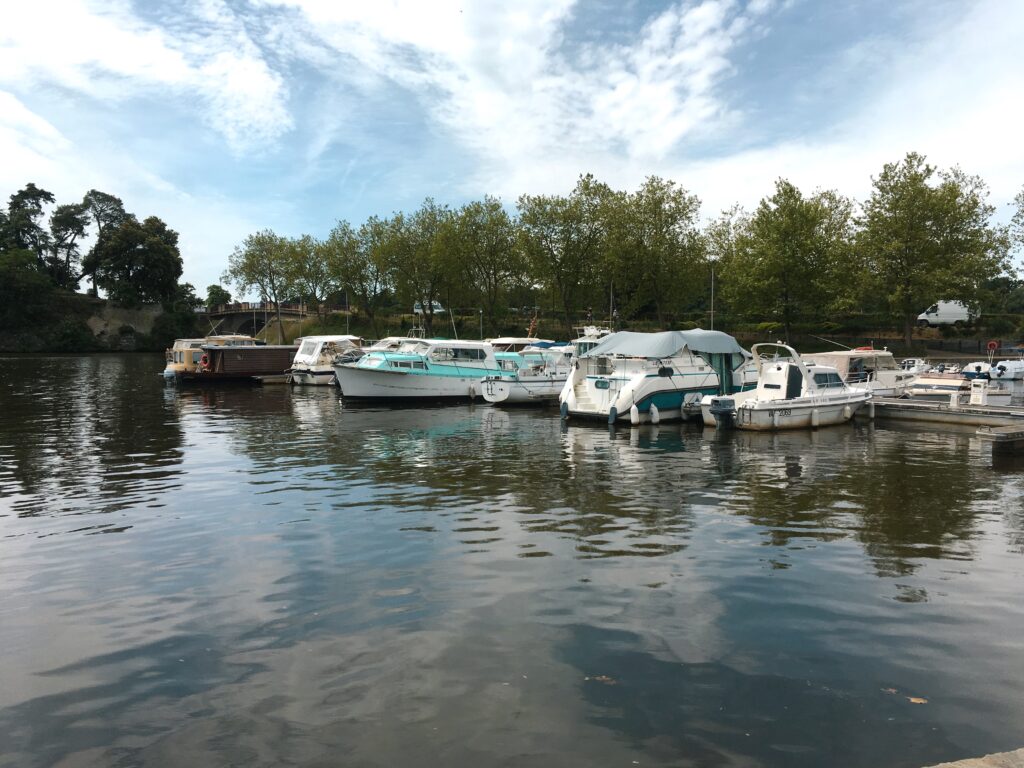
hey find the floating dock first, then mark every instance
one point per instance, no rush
(1013, 759)
(939, 412)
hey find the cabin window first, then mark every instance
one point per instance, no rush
(307, 348)
(773, 386)
(442, 353)
(827, 380)
(507, 365)
(196, 357)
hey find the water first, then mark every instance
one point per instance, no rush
(262, 577)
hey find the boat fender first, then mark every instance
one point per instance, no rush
(815, 417)
(655, 416)
(613, 414)
(563, 409)
(847, 413)
(634, 415)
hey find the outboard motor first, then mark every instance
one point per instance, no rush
(724, 411)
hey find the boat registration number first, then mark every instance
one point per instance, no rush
(785, 411)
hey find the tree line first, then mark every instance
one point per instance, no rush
(43, 260)
(924, 234)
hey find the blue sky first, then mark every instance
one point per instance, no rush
(224, 117)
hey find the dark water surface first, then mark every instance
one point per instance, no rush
(262, 577)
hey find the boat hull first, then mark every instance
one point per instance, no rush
(521, 392)
(369, 383)
(790, 415)
(321, 377)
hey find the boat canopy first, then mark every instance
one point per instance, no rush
(666, 344)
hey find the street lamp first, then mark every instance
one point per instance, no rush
(481, 325)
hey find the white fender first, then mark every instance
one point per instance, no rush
(847, 412)
(815, 417)
(655, 416)
(634, 415)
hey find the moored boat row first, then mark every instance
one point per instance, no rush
(624, 376)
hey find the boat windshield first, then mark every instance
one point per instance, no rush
(828, 379)
(412, 347)
(306, 350)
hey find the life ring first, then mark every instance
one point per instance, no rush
(204, 361)
(992, 346)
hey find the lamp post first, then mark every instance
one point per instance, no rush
(481, 325)
(712, 294)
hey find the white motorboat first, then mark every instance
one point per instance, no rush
(418, 368)
(314, 362)
(790, 394)
(515, 343)
(651, 377)
(915, 365)
(534, 375)
(867, 368)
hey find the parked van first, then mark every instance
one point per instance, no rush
(417, 308)
(945, 313)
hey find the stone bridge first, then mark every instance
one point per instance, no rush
(249, 317)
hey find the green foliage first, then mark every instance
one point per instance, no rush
(358, 263)
(26, 293)
(311, 275)
(139, 262)
(784, 261)
(653, 248)
(106, 213)
(216, 295)
(415, 257)
(263, 261)
(927, 235)
(563, 239)
(485, 262)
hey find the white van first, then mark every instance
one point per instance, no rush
(945, 313)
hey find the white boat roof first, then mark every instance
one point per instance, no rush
(517, 340)
(345, 337)
(665, 344)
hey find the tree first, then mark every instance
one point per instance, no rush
(26, 292)
(67, 225)
(139, 262)
(722, 241)
(311, 274)
(262, 261)
(23, 230)
(783, 263)
(927, 235)
(1017, 222)
(562, 238)
(414, 253)
(216, 295)
(481, 244)
(653, 246)
(358, 261)
(106, 212)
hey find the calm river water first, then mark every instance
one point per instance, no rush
(263, 577)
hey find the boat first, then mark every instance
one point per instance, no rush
(980, 383)
(868, 368)
(183, 355)
(588, 337)
(515, 343)
(790, 394)
(915, 365)
(534, 375)
(314, 362)
(651, 377)
(224, 363)
(419, 369)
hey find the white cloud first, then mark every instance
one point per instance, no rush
(106, 52)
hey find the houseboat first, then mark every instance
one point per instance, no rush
(240, 363)
(314, 362)
(185, 354)
(651, 377)
(419, 369)
(790, 394)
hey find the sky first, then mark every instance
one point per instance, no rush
(224, 117)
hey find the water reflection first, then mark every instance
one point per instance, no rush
(298, 580)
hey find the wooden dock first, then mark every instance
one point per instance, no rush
(938, 412)
(1013, 759)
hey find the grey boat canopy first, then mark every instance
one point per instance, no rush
(666, 344)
